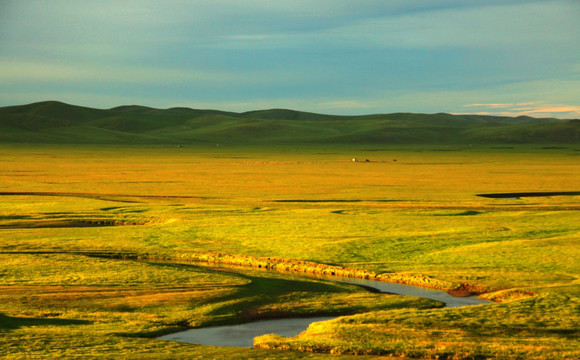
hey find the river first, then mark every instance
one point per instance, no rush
(243, 335)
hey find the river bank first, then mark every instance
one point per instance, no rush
(242, 335)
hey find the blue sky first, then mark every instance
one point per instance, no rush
(331, 56)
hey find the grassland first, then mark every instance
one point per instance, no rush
(408, 212)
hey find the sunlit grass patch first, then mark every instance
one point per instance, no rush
(416, 219)
(519, 329)
(509, 295)
(104, 303)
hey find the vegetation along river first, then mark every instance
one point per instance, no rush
(242, 335)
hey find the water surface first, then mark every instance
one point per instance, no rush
(243, 335)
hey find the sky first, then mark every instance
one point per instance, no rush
(497, 57)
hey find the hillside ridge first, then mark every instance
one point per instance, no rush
(58, 122)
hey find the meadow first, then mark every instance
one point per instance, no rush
(74, 220)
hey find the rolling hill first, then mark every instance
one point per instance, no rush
(53, 122)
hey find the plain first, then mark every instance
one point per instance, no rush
(69, 213)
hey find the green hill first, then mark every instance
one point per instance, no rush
(56, 122)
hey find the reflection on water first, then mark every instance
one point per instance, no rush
(400, 289)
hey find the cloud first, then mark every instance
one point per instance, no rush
(12, 71)
(535, 109)
(489, 105)
(561, 111)
(33, 72)
(346, 104)
(513, 25)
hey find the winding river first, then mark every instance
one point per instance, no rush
(243, 335)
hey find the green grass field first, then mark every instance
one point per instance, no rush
(411, 212)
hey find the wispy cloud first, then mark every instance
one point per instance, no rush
(535, 109)
(346, 104)
(21, 72)
(489, 105)
(462, 27)
(563, 111)
(41, 72)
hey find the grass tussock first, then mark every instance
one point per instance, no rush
(288, 265)
(418, 280)
(509, 295)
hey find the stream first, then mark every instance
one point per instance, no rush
(242, 335)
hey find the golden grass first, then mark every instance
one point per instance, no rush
(414, 219)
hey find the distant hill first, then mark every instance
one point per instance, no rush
(54, 122)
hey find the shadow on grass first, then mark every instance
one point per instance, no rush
(248, 301)
(258, 299)
(14, 217)
(333, 201)
(529, 194)
(522, 332)
(464, 213)
(12, 323)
